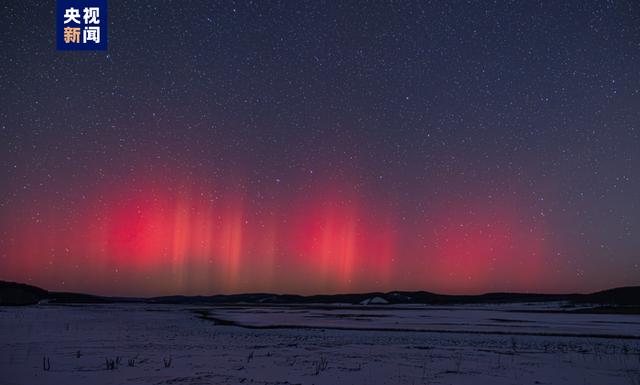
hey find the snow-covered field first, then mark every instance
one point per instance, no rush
(174, 344)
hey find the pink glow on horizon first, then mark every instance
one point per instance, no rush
(150, 239)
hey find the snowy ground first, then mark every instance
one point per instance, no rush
(314, 345)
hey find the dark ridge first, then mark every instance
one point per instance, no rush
(12, 293)
(624, 296)
(20, 294)
(16, 294)
(63, 297)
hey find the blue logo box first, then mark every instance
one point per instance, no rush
(81, 25)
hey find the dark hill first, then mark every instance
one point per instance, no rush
(12, 293)
(621, 296)
(16, 294)
(21, 294)
(625, 296)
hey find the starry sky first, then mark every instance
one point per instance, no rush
(323, 147)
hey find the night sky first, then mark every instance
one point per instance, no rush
(322, 147)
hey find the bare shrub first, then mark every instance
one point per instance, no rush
(109, 363)
(320, 365)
